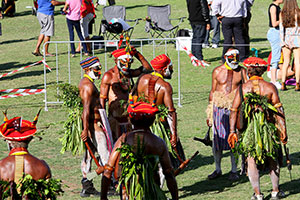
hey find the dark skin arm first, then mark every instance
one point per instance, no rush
(85, 95)
(168, 102)
(145, 64)
(232, 138)
(213, 89)
(169, 173)
(280, 118)
(104, 88)
(106, 179)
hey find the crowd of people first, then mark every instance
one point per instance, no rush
(244, 110)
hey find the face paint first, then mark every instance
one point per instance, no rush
(95, 72)
(232, 59)
(168, 71)
(124, 65)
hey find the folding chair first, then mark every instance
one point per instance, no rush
(112, 31)
(159, 24)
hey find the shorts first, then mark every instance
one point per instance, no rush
(47, 24)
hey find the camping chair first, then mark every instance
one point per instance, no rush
(158, 23)
(113, 30)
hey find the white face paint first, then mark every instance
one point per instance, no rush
(93, 76)
(232, 64)
(232, 58)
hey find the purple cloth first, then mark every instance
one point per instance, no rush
(221, 128)
(290, 81)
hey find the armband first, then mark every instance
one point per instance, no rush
(109, 168)
(172, 110)
(103, 96)
(278, 105)
(234, 109)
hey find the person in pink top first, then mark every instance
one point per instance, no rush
(72, 10)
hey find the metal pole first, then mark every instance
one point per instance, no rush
(179, 92)
(45, 77)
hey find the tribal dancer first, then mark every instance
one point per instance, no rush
(154, 87)
(92, 124)
(266, 127)
(225, 80)
(146, 150)
(116, 85)
(20, 163)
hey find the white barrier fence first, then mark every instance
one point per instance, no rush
(156, 46)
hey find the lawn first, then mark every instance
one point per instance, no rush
(19, 40)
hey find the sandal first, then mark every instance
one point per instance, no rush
(36, 53)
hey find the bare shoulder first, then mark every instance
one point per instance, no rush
(107, 76)
(166, 86)
(218, 69)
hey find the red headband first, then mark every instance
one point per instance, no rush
(160, 62)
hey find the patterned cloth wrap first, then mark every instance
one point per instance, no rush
(218, 112)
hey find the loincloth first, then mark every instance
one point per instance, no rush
(220, 100)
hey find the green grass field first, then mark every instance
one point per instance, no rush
(19, 40)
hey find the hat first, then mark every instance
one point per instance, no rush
(121, 54)
(90, 62)
(17, 129)
(140, 110)
(253, 62)
(160, 62)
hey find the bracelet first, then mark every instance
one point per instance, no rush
(232, 131)
(234, 109)
(103, 96)
(278, 105)
(109, 168)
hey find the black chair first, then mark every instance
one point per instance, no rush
(158, 23)
(111, 31)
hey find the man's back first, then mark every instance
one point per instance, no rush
(263, 88)
(154, 87)
(37, 168)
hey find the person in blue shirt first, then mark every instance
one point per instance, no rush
(45, 15)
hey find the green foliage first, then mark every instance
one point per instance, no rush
(71, 141)
(138, 173)
(259, 140)
(160, 127)
(32, 189)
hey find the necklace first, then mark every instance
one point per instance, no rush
(18, 151)
(256, 78)
(157, 74)
(226, 65)
(87, 76)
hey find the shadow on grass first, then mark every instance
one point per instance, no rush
(20, 75)
(24, 13)
(217, 185)
(13, 65)
(20, 40)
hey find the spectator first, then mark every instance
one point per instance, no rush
(231, 14)
(87, 12)
(290, 70)
(8, 7)
(289, 34)
(72, 8)
(249, 4)
(45, 15)
(199, 19)
(274, 39)
(215, 26)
